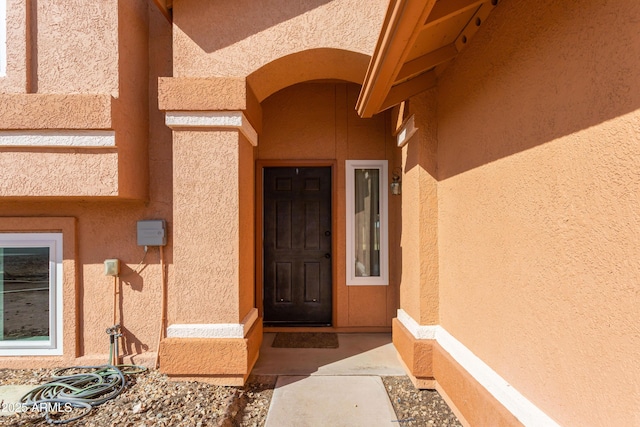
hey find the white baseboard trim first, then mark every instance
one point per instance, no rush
(214, 330)
(55, 138)
(212, 119)
(525, 411)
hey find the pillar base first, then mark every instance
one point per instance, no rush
(221, 361)
(416, 356)
(429, 366)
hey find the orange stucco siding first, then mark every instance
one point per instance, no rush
(206, 287)
(17, 49)
(60, 57)
(419, 291)
(237, 38)
(516, 231)
(102, 227)
(58, 81)
(538, 160)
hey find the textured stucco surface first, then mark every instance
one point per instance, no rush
(77, 47)
(104, 228)
(246, 232)
(318, 121)
(89, 173)
(538, 159)
(76, 66)
(210, 94)
(308, 65)
(237, 38)
(59, 111)
(206, 199)
(15, 80)
(47, 138)
(416, 354)
(131, 112)
(419, 234)
(476, 405)
(195, 94)
(228, 359)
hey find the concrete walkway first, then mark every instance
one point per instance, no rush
(10, 396)
(331, 387)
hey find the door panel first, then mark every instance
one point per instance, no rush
(297, 245)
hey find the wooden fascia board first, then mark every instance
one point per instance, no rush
(444, 10)
(427, 61)
(402, 91)
(389, 26)
(402, 25)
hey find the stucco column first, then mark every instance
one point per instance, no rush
(419, 294)
(210, 298)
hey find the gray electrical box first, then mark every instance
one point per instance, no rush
(152, 232)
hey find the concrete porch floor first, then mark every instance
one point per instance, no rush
(337, 387)
(357, 354)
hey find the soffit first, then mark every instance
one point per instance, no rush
(165, 7)
(418, 40)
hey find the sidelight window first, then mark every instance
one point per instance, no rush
(367, 222)
(30, 294)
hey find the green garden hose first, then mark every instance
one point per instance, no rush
(79, 387)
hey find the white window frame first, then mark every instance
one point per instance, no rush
(382, 166)
(3, 38)
(53, 346)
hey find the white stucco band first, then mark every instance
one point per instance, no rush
(525, 411)
(214, 330)
(46, 138)
(212, 119)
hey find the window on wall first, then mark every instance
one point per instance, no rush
(367, 222)
(30, 294)
(3, 38)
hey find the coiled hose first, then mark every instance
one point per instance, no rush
(87, 387)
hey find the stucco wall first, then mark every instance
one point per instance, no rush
(107, 229)
(206, 206)
(419, 234)
(74, 66)
(59, 46)
(237, 38)
(76, 48)
(15, 80)
(318, 121)
(538, 160)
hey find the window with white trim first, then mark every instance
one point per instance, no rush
(367, 222)
(30, 294)
(3, 38)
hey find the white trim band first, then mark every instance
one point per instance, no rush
(214, 330)
(79, 138)
(418, 331)
(212, 119)
(525, 411)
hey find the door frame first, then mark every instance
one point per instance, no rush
(259, 215)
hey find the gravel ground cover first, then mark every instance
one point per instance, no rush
(418, 407)
(151, 399)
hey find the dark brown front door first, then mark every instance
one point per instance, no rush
(297, 245)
